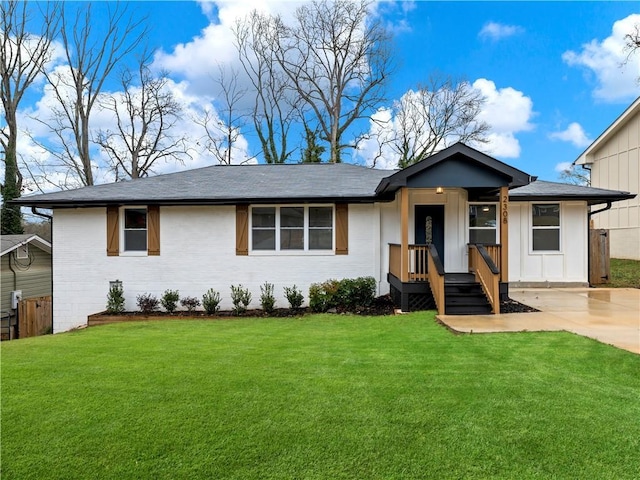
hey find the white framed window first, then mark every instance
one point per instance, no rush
(545, 227)
(134, 231)
(483, 223)
(292, 228)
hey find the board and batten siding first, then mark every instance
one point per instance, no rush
(616, 165)
(198, 252)
(567, 267)
(32, 276)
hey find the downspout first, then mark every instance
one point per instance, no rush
(35, 211)
(15, 287)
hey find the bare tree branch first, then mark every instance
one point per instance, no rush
(274, 109)
(91, 57)
(434, 117)
(145, 113)
(222, 129)
(338, 61)
(22, 57)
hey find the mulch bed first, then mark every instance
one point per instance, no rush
(381, 306)
(511, 306)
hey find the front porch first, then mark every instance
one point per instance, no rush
(418, 280)
(449, 245)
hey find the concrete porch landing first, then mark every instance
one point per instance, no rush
(609, 315)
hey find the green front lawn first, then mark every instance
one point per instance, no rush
(624, 273)
(322, 397)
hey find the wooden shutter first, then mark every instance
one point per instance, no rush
(113, 231)
(153, 230)
(342, 229)
(242, 229)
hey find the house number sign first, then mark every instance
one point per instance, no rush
(504, 203)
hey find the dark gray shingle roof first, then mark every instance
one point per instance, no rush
(229, 184)
(543, 190)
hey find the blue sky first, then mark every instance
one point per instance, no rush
(551, 71)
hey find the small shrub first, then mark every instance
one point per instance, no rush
(115, 299)
(147, 303)
(169, 300)
(294, 297)
(321, 295)
(356, 292)
(190, 303)
(347, 294)
(267, 299)
(211, 301)
(241, 298)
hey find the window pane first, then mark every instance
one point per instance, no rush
(263, 217)
(264, 239)
(546, 239)
(482, 236)
(135, 218)
(135, 240)
(321, 239)
(292, 217)
(546, 215)
(292, 239)
(321, 217)
(482, 215)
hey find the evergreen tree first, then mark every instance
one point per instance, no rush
(312, 152)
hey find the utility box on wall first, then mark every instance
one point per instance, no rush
(16, 296)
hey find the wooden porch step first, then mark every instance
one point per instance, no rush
(464, 296)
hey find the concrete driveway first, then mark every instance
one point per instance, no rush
(609, 315)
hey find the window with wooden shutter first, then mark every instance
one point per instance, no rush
(153, 225)
(113, 231)
(242, 229)
(342, 229)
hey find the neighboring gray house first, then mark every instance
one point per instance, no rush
(614, 162)
(26, 268)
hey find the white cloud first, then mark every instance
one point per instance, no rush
(574, 134)
(507, 111)
(563, 167)
(497, 31)
(617, 78)
(199, 60)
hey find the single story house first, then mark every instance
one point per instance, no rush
(613, 160)
(25, 273)
(451, 232)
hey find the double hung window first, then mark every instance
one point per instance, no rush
(135, 229)
(291, 228)
(545, 221)
(482, 223)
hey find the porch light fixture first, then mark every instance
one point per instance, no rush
(439, 190)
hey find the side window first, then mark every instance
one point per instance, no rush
(320, 228)
(482, 224)
(263, 226)
(135, 229)
(546, 227)
(291, 228)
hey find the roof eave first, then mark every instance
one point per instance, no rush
(590, 199)
(586, 157)
(53, 204)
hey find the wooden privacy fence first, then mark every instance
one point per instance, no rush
(599, 269)
(35, 317)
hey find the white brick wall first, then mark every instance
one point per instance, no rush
(197, 252)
